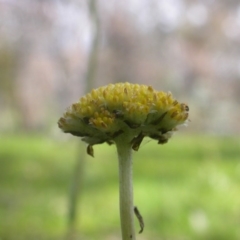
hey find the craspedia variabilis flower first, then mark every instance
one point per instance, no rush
(123, 108)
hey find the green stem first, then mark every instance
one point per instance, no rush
(126, 189)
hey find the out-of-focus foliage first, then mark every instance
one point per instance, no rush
(186, 189)
(188, 47)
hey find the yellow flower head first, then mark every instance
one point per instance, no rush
(123, 108)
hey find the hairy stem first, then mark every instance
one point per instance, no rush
(126, 189)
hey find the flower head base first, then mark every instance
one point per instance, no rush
(123, 108)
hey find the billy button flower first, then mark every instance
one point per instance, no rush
(124, 114)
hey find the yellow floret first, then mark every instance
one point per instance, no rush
(124, 108)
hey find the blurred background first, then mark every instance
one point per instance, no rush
(53, 51)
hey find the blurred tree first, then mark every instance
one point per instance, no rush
(7, 72)
(78, 173)
(8, 63)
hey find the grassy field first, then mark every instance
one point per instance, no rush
(186, 189)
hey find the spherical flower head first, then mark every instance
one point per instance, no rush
(137, 111)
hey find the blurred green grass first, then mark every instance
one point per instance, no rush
(186, 189)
